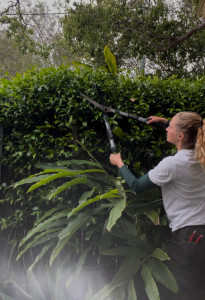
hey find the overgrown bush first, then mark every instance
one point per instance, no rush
(44, 116)
(45, 119)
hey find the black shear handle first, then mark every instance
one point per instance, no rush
(113, 147)
(158, 125)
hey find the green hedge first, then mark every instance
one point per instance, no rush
(43, 114)
(44, 117)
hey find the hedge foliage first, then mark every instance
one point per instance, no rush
(44, 117)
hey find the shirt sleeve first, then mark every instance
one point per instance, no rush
(138, 185)
(164, 172)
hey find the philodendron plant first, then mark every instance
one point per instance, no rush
(94, 241)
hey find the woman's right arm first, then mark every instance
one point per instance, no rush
(138, 185)
(153, 119)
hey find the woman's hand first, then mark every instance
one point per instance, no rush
(153, 119)
(116, 160)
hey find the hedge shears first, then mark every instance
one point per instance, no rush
(107, 110)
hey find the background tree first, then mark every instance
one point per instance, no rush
(33, 36)
(16, 61)
(170, 34)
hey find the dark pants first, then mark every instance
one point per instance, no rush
(187, 263)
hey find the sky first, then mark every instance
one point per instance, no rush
(4, 3)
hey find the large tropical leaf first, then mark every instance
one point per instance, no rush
(153, 215)
(34, 284)
(74, 224)
(116, 212)
(61, 244)
(125, 251)
(79, 266)
(162, 274)
(47, 180)
(150, 284)
(67, 185)
(131, 292)
(80, 162)
(60, 173)
(111, 194)
(127, 269)
(58, 219)
(46, 215)
(65, 235)
(160, 254)
(42, 238)
(84, 197)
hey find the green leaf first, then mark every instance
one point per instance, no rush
(128, 268)
(84, 197)
(111, 194)
(39, 239)
(58, 249)
(160, 254)
(125, 251)
(54, 221)
(119, 132)
(116, 212)
(79, 266)
(79, 162)
(131, 292)
(74, 225)
(68, 232)
(46, 215)
(42, 179)
(67, 185)
(31, 179)
(150, 284)
(39, 256)
(34, 285)
(153, 216)
(46, 180)
(162, 274)
(110, 60)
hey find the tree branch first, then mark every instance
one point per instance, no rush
(12, 5)
(182, 38)
(172, 40)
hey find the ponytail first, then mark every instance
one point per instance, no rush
(200, 145)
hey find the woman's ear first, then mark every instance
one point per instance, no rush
(181, 136)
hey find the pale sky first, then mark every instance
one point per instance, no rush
(5, 3)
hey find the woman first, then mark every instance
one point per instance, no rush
(182, 181)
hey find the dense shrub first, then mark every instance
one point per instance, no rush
(43, 114)
(46, 120)
(44, 117)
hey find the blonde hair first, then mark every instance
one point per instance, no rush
(193, 127)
